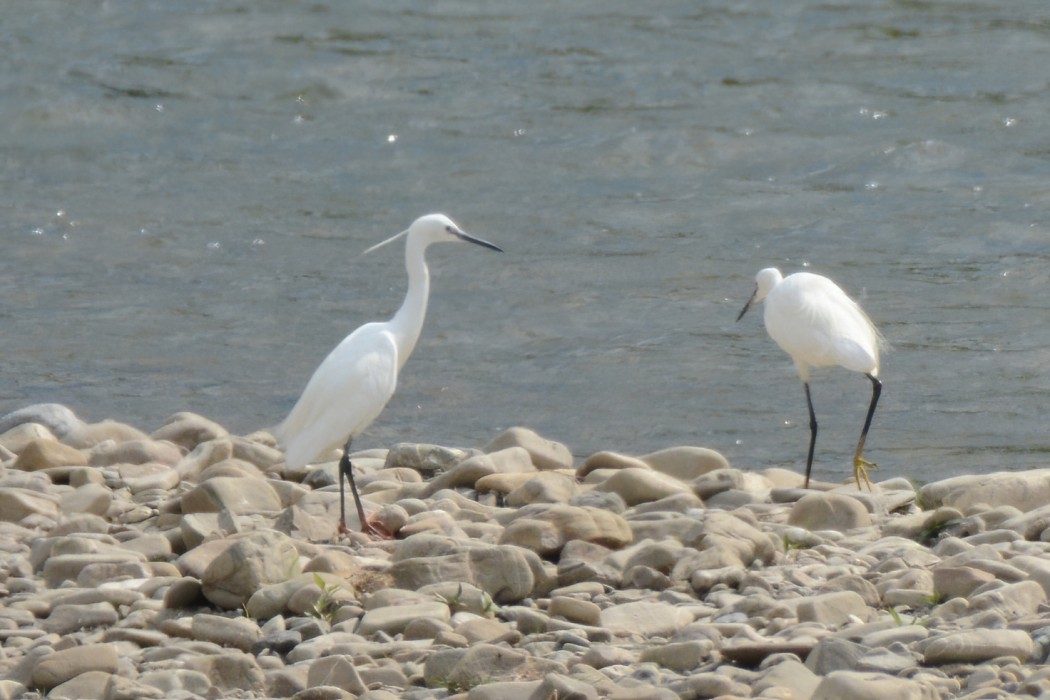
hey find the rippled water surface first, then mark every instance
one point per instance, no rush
(187, 188)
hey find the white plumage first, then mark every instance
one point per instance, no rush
(355, 382)
(344, 396)
(818, 325)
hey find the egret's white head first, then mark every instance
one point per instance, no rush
(765, 280)
(435, 228)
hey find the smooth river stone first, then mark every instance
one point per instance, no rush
(476, 630)
(680, 656)
(203, 456)
(859, 585)
(68, 567)
(485, 663)
(238, 632)
(170, 680)
(92, 434)
(266, 456)
(833, 609)
(958, 581)
(1032, 525)
(189, 430)
(575, 610)
(249, 562)
(791, 675)
(545, 487)
(735, 539)
(45, 454)
(136, 452)
(713, 685)
(1012, 600)
(645, 618)
(661, 555)
(397, 597)
(642, 485)
(17, 504)
(89, 498)
(144, 477)
(60, 666)
(508, 574)
(423, 457)
(1025, 490)
(609, 460)
(232, 671)
(686, 462)
(829, 511)
(235, 494)
(512, 460)
(70, 618)
(336, 670)
(393, 619)
(977, 645)
(21, 435)
(546, 528)
(732, 486)
(90, 684)
(502, 483)
(545, 454)
(1037, 568)
(856, 685)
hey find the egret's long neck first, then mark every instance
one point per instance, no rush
(408, 321)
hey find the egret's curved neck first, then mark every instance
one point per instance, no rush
(407, 323)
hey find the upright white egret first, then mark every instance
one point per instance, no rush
(818, 325)
(354, 383)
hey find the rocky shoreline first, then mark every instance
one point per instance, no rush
(190, 563)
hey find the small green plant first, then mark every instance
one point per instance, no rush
(933, 600)
(453, 601)
(449, 685)
(456, 601)
(919, 500)
(325, 606)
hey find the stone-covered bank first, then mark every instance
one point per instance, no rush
(190, 563)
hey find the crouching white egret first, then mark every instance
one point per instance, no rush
(818, 325)
(354, 383)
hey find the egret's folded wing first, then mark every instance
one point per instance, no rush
(347, 392)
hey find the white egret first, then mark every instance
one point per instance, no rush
(354, 383)
(818, 325)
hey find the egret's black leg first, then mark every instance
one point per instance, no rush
(861, 465)
(346, 470)
(812, 433)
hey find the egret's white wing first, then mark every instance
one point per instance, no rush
(347, 392)
(817, 323)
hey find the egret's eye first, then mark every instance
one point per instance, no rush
(448, 228)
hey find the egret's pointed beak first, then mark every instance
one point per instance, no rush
(484, 244)
(748, 304)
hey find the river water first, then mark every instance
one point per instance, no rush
(187, 188)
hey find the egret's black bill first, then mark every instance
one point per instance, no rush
(747, 305)
(484, 244)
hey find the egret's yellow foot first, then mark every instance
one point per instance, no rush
(860, 471)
